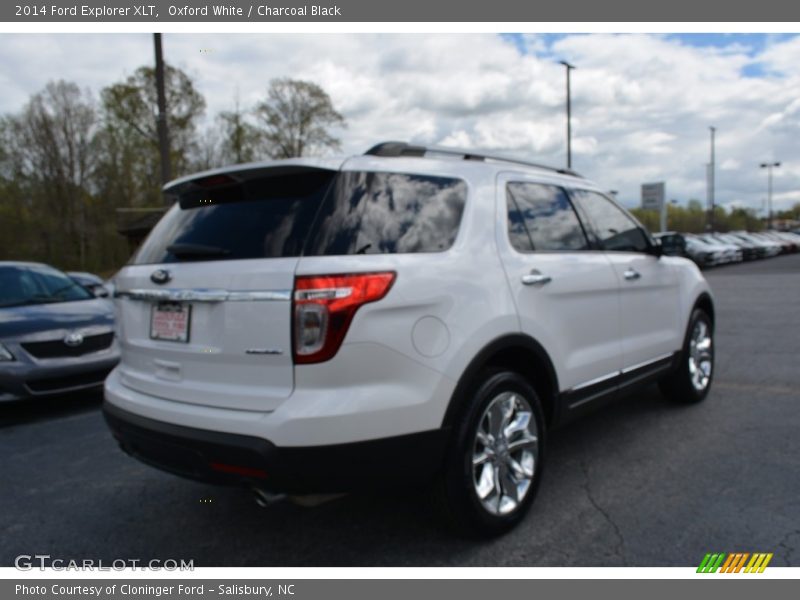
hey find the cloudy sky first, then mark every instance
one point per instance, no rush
(642, 104)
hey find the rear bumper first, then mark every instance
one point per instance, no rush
(227, 458)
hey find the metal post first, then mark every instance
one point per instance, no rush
(569, 68)
(161, 122)
(768, 167)
(711, 183)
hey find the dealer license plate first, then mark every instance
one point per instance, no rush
(170, 321)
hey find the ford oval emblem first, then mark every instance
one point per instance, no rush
(73, 339)
(161, 276)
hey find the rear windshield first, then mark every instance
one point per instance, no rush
(299, 211)
(222, 217)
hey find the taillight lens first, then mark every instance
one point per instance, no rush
(324, 306)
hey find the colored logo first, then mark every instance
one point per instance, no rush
(737, 562)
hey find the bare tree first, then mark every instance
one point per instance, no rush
(51, 153)
(297, 117)
(240, 139)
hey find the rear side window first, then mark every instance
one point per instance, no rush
(541, 217)
(614, 228)
(238, 216)
(388, 213)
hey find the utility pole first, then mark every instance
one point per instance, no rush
(711, 183)
(161, 123)
(569, 68)
(768, 167)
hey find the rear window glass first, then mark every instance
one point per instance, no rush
(238, 217)
(387, 213)
(306, 211)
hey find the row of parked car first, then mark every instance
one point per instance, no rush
(713, 249)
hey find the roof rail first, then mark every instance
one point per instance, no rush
(394, 149)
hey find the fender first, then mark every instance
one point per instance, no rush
(520, 347)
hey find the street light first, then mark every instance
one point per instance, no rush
(768, 167)
(568, 68)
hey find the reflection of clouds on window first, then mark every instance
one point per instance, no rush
(377, 213)
(544, 213)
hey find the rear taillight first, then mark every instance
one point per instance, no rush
(324, 306)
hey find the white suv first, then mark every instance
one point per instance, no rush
(407, 316)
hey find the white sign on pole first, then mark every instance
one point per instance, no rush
(653, 196)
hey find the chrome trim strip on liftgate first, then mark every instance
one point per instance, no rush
(205, 295)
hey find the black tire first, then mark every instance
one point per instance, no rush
(455, 490)
(678, 386)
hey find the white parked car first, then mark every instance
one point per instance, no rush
(404, 316)
(701, 253)
(731, 253)
(769, 247)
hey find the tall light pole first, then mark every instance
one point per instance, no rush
(768, 167)
(569, 68)
(711, 182)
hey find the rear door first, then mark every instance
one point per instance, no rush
(205, 308)
(566, 293)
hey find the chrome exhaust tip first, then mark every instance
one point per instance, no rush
(264, 498)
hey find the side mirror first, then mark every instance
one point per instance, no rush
(673, 245)
(656, 249)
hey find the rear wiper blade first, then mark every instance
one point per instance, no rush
(196, 250)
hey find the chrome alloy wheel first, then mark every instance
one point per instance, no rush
(505, 453)
(700, 356)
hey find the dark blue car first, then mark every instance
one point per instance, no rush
(55, 336)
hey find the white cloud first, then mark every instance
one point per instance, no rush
(642, 104)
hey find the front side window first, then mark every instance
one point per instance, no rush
(541, 217)
(614, 228)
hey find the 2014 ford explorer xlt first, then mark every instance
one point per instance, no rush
(409, 316)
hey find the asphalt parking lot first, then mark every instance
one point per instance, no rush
(640, 483)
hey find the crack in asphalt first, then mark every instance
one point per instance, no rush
(619, 548)
(790, 550)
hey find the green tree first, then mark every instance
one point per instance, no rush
(297, 117)
(130, 137)
(232, 139)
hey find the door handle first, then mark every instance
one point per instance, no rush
(632, 274)
(536, 278)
